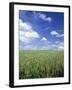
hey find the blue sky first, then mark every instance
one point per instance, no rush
(41, 30)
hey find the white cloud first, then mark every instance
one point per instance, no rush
(56, 46)
(56, 34)
(24, 39)
(60, 48)
(56, 42)
(53, 33)
(30, 47)
(43, 39)
(49, 19)
(61, 44)
(44, 17)
(32, 34)
(24, 26)
(27, 34)
(62, 35)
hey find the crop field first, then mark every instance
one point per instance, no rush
(41, 64)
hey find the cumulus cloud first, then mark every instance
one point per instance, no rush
(24, 26)
(32, 34)
(27, 33)
(44, 17)
(25, 39)
(56, 46)
(54, 33)
(60, 46)
(43, 39)
(62, 35)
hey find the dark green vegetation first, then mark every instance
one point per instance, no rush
(41, 64)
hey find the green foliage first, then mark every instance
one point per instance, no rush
(41, 64)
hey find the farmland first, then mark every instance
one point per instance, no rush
(41, 64)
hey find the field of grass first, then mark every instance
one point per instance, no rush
(41, 64)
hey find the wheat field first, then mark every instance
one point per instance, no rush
(41, 64)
